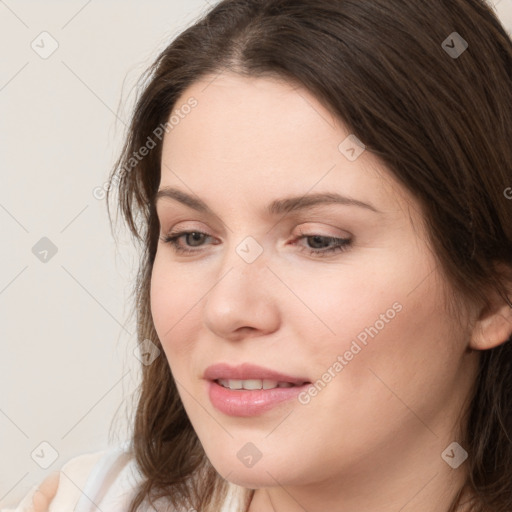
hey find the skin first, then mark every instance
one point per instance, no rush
(45, 493)
(372, 438)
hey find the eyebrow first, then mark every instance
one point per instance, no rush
(276, 207)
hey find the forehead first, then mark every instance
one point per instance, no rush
(266, 136)
(261, 114)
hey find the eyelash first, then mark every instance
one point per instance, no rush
(343, 244)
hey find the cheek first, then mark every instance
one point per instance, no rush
(172, 308)
(384, 317)
(337, 304)
(392, 348)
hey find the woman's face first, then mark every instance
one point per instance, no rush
(362, 320)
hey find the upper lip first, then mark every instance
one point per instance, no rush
(248, 371)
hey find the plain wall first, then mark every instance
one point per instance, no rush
(67, 367)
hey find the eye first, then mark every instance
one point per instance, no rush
(195, 236)
(324, 245)
(321, 245)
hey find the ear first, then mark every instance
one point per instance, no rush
(493, 326)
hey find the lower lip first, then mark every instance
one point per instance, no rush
(249, 402)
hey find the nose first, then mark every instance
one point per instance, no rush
(243, 300)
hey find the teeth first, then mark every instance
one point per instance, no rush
(252, 384)
(270, 384)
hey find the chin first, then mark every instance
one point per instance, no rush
(261, 474)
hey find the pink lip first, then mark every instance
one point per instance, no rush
(244, 403)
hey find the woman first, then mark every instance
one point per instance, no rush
(323, 195)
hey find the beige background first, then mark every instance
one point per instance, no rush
(67, 366)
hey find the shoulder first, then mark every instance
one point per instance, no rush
(104, 479)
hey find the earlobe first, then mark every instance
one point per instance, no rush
(493, 327)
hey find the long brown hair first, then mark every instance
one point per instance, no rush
(440, 121)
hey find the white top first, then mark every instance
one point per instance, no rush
(105, 481)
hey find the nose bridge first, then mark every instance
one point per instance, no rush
(242, 293)
(243, 272)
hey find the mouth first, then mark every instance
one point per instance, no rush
(248, 390)
(250, 375)
(256, 384)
